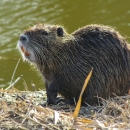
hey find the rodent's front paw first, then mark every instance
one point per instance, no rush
(51, 101)
(55, 101)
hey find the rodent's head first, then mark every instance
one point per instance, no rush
(39, 41)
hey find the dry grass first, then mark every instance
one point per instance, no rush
(21, 110)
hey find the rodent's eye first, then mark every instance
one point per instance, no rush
(60, 32)
(44, 33)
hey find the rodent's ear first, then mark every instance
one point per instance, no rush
(60, 31)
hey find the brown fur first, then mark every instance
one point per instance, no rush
(66, 59)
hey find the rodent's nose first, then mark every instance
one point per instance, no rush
(23, 38)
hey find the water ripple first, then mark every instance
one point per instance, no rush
(17, 15)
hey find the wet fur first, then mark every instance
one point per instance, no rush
(66, 59)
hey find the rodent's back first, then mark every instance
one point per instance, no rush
(106, 51)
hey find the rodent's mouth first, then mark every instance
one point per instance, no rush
(23, 49)
(26, 53)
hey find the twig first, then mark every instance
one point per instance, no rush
(30, 103)
(25, 84)
(14, 72)
(14, 82)
(24, 116)
(19, 125)
(120, 98)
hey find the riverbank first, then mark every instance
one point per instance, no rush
(22, 110)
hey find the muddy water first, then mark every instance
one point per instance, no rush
(17, 15)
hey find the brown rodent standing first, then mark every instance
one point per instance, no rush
(65, 60)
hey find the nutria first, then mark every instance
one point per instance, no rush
(65, 60)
